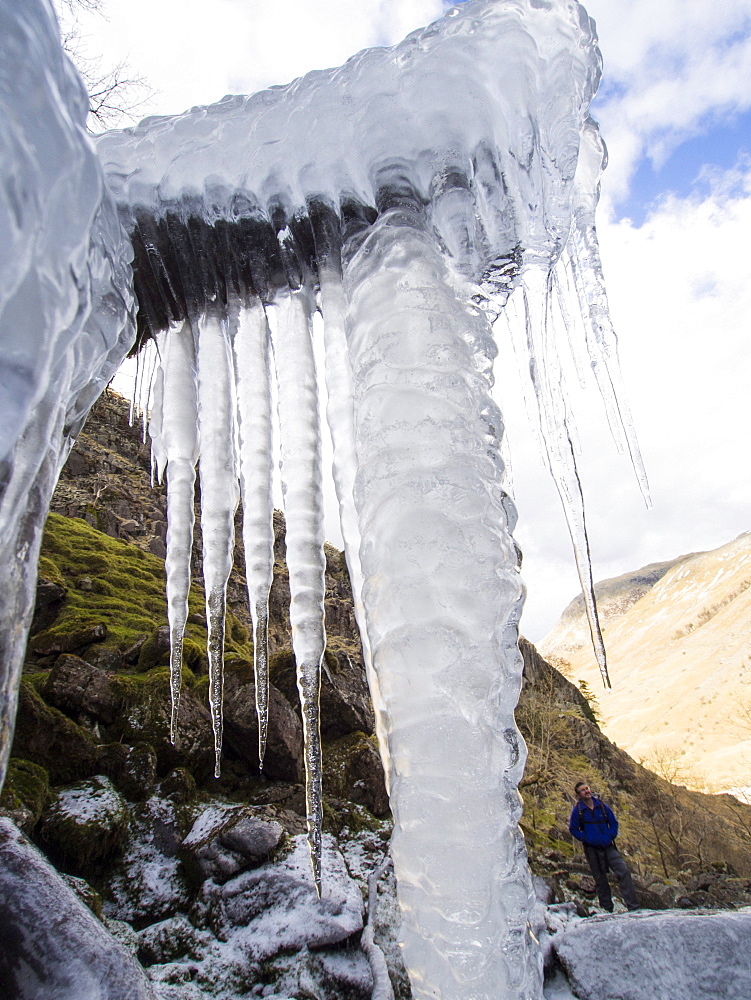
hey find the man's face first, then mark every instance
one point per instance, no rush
(583, 792)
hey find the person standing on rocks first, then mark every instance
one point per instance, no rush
(595, 826)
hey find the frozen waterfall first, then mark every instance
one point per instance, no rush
(411, 196)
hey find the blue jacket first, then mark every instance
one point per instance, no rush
(597, 827)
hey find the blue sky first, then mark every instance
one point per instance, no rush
(720, 145)
(675, 212)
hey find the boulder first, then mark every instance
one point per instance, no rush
(49, 599)
(47, 737)
(646, 955)
(171, 940)
(145, 718)
(52, 945)
(155, 650)
(147, 883)
(284, 749)
(85, 822)
(278, 907)
(133, 769)
(226, 840)
(76, 688)
(25, 792)
(53, 641)
(179, 785)
(345, 700)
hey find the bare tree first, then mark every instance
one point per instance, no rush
(116, 95)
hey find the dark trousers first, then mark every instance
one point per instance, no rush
(600, 860)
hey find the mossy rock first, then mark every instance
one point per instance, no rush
(145, 718)
(115, 585)
(85, 823)
(352, 770)
(26, 785)
(156, 650)
(47, 737)
(340, 816)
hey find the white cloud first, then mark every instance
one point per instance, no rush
(669, 68)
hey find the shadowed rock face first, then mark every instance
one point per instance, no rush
(52, 945)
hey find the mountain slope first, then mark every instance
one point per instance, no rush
(680, 662)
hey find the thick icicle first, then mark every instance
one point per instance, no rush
(174, 431)
(300, 442)
(253, 380)
(442, 596)
(219, 497)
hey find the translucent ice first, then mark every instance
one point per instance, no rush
(66, 303)
(407, 196)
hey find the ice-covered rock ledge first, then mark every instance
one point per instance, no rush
(655, 955)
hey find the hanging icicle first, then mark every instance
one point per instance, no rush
(174, 432)
(253, 381)
(300, 442)
(219, 497)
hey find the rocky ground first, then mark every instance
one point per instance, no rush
(205, 882)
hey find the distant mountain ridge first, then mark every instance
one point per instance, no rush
(677, 635)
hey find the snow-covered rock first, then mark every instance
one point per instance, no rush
(51, 945)
(86, 822)
(148, 883)
(225, 840)
(665, 955)
(278, 908)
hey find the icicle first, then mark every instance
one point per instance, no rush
(176, 446)
(584, 259)
(303, 504)
(253, 379)
(219, 497)
(442, 593)
(554, 421)
(340, 417)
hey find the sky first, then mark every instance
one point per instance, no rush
(674, 221)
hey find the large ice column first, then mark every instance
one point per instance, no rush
(65, 303)
(442, 594)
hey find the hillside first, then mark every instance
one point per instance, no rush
(680, 664)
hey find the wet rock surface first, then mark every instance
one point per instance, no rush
(52, 945)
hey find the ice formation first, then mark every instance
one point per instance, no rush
(411, 196)
(67, 315)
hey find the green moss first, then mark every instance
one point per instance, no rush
(339, 815)
(134, 688)
(126, 593)
(47, 570)
(37, 680)
(26, 784)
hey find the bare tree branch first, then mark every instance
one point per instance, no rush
(116, 95)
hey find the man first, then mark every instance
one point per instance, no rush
(593, 823)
